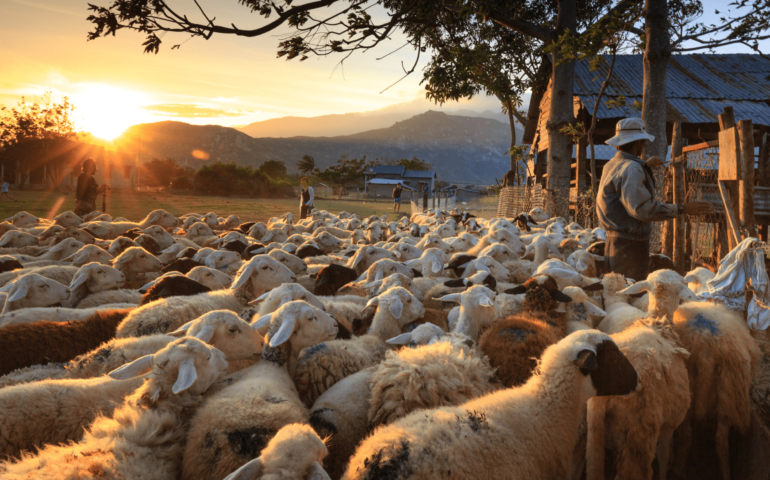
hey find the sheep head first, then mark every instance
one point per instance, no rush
(186, 365)
(75, 233)
(396, 280)
(280, 296)
(476, 302)
(136, 260)
(260, 274)
(65, 248)
(120, 245)
(163, 238)
(367, 255)
(395, 308)
(97, 278)
(17, 239)
(23, 220)
(161, 218)
(541, 295)
(221, 259)
(292, 262)
(666, 288)
(33, 290)
(226, 331)
(421, 335)
(67, 219)
(214, 279)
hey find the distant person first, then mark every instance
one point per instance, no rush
(87, 190)
(306, 199)
(4, 191)
(397, 198)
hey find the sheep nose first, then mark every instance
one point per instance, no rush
(293, 278)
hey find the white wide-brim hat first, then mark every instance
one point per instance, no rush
(629, 130)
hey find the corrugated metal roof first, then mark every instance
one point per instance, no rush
(701, 76)
(388, 181)
(387, 169)
(419, 173)
(606, 152)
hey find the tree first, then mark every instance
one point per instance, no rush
(161, 171)
(273, 168)
(415, 163)
(306, 165)
(344, 172)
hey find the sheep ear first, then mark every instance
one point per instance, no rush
(686, 294)
(592, 309)
(594, 287)
(638, 287)
(316, 472)
(80, 279)
(690, 279)
(396, 308)
(561, 297)
(283, 333)
(20, 293)
(258, 251)
(435, 266)
(379, 276)
(586, 361)
(7, 287)
(474, 240)
(186, 376)
(402, 339)
(206, 333)
(182, 331)
(516, 290)
(452, 297)
(251, 470)
(262, 322)
(580, 265)
(486, 302)
(359, 255)
(260, 298)
(249, 270)
(70, 258)
(138, 367)
(375, 284)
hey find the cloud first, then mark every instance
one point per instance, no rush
(192, 110)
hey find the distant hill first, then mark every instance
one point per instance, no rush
(462, 149)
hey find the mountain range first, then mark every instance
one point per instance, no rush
(463, 149)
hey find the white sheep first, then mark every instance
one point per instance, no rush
(322, 366)
(145, 437)
(33, 290)
(256, 276)
(478, 309)
(292, 262)
(119, 245)
(262, 401)
(67, 219)
(214, 279)
(23, 220)
(134, 262)
(17, 239)
(90, 254)
(93, 278)
(224, 261)
(62, 274)
(525, 432)
(366, 256)
(55, 314)
(696, 279)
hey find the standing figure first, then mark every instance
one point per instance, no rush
(626, 204)
(306, 199)
(397, 198)
(87, 189)
(4, 191)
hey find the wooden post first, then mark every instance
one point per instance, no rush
(762, 167)
(581, 165)
(678, 168)
(695, 232)
(746, 133)
(732, 222)
(730, 178)
(667, 234)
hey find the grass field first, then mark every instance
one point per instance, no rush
(135, 205)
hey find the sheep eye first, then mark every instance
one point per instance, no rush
(265, 268)
(409, 301)
(234, 329)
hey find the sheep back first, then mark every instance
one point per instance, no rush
(429, 376)
(176, 286)
(33, 374)
(113, 354)
(324, 364)
(181, 265)
(514, 346)
(26, 344)
(59, 273)
(110, 296)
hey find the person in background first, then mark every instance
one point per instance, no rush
(306, 199)
(626, 204)
(397, 198)
(4, 191)
(87, 189)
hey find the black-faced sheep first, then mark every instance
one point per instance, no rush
(331, 278)
(173, 286)
(181, 265)
(528, 432)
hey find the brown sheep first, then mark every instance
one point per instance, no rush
(9, 265)
(541, 301)
(73, 232)
(514, 346)
(176, 286)
(331, 278)
(181, 265)
(25, 344)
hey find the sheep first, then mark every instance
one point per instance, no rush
(256, 276)
(214, 279)
(322, 366)
(382, 269)
(181, 265)
(9, 264)
(134, 262)
(395, 280)
(23, 220)
(131, 444)
(477, 310)
(581, 310)
(544, 301)
(73, 232)
(23, 345)
(224, 260)
(54, 314)
(169, 254)
(640, 427)
(584, 263)
(171, 286)
(430, 263)
(293, 263)
(331, 278)
(295, 452)
(366, 256)
(119, 245)
(67, 219)
(89, 254)
(536, 425)
(17, 239)
(148, 243)
(233, 424)
(696, 279)
(33, 290)
(723, 361)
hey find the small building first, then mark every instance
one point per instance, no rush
(698, 87)
(461, 194)
(321, 190)
(408, 178)
(383, 187)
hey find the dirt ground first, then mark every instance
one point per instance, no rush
(135, 205)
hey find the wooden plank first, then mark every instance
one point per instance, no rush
(581, 163)
(735, 233)
(746, 134)
(696, 232)
(701, 146)
(729, 155)
(678, 169)
(762, 167)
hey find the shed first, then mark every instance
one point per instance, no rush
(383, 187)
(408, 178)
(698, 87)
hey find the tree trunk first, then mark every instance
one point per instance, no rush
(561, 114)
(656, 55)
(509, 107)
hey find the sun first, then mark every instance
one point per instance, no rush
(106, 111)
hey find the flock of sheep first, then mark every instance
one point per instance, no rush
(438, 346)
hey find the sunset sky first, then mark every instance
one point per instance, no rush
(226, 80)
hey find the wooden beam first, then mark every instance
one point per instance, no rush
(746, 186)
(726, 118)
(581, 164)
(701, 146)
(735, 233)
(678, 169)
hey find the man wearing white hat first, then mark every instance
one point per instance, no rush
(626, 203)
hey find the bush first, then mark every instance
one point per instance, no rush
(229, 179)
(181, 183)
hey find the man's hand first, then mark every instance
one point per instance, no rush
(698, 208)
(654, 162)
